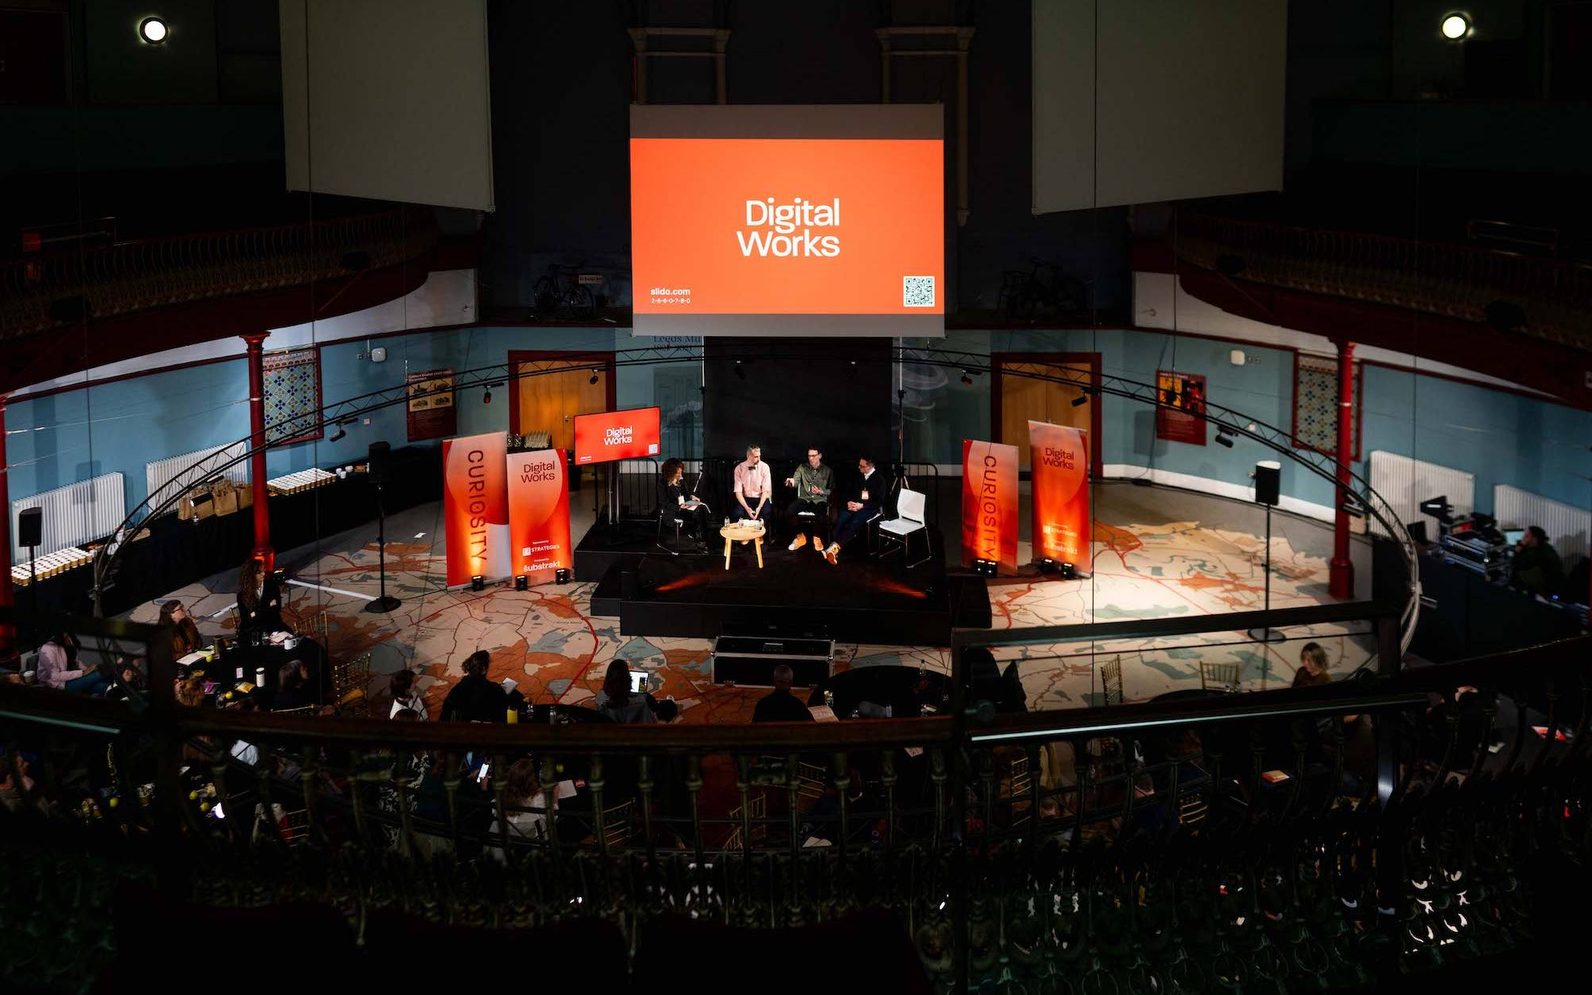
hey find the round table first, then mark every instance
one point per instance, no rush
(745, 530)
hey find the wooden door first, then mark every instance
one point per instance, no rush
(1018, 399)
(549, 402)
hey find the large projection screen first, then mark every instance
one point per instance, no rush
(788, 220)
(388, 99)
(1138, 101)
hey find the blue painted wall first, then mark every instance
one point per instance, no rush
(1500, 437)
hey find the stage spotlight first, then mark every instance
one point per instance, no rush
(988, 568)
(340, 434)
(152, 31)
(486, 398)
(1048, 566)
(1069, 572)
(593, 377)
(1081, 400)
(561, 575)
(522, 582)
(1455, 26)
(1224, 436)
(478, 583)
(967, 379)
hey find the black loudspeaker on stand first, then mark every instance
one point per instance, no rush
(30, 533)
(380, 454)
(1268, 491)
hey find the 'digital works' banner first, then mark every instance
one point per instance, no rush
(475, 506)
(1059, 456)
(989, 503)
(538, 512)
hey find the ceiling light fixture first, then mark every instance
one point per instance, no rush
(1455, 26)
(153, 31)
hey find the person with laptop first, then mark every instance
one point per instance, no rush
(809, 513)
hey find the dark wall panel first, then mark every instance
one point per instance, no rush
(799, 393)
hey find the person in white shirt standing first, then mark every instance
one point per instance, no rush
(754, 486)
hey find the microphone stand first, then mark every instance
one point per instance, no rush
(384, 602)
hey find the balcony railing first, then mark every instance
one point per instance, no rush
(1135, 847)
(1546, 298)
(42, 291)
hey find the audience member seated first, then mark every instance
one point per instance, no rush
(1312, 670)
(1535, 566)
(185, 637)
(294, 687)
(57, 668)
(128, 683)
(259, 601)
(523, 803)
(404, 696)
(476, 698)
(618, 702)
(780, 705)
(676, 503)
(809, 513)
(863, 501)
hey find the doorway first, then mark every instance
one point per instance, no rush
(548, 402)
(1017, 399)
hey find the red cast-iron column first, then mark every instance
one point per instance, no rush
(8, 633)
(262, 513)
(1340, 577)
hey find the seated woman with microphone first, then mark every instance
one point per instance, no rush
(675, 501)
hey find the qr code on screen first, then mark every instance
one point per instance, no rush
(917, 291)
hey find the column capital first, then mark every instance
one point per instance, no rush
(255, 339)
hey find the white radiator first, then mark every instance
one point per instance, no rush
(74, 515)
(1567, 526)
(1404, 483)
(169, 477)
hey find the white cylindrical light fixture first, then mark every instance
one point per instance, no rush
(153, 30)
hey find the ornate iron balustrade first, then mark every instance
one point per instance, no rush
(1452, 280)
(132, 276)
(1173, 855)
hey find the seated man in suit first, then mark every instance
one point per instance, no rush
(863, 502)
(813, 482)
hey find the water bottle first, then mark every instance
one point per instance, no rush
(259, 677)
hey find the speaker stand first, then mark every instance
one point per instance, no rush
(33, 586)
(384, 602)
(1266, 634)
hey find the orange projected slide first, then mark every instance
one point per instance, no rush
(611, 435)
(787, 226)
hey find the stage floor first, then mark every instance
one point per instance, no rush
(1160, 553)
(859, 600)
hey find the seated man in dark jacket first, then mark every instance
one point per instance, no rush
(780, 705)
(1535, 567)
(862, 504)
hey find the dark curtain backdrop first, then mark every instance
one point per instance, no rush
(798, 393)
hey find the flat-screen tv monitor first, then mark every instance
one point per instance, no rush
(613, 435)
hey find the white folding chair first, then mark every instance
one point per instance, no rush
(908, 522)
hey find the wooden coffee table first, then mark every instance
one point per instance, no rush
(745, 530)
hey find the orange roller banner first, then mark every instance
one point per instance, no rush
(538, 512)
(1063, 528)
(475, 506)
(989, 503)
